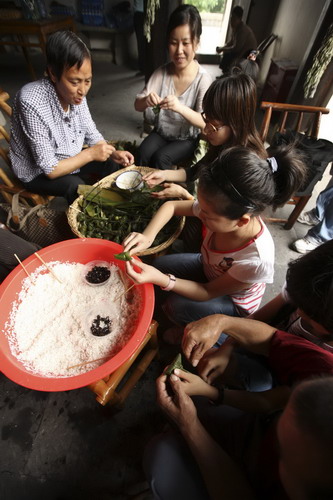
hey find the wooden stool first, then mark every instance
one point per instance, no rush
(105, 389)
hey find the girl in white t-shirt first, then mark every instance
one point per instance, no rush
(237, 254)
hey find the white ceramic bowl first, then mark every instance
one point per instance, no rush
(131, 180)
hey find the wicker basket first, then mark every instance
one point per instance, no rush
(107, 182)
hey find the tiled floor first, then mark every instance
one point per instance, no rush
(64, 445)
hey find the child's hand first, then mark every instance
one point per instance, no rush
(154, 178)
(136, 242)
(213, 364)
(148, 274)
(194, 386)
(172, 190)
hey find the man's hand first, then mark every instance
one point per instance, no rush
(172, 190)
(199, 336)
(179, 407)
(101, 151)
(124, 158)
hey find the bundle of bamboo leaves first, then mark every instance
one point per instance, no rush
(113, 213)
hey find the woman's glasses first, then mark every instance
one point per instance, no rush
(209, 126)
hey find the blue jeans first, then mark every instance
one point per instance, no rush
(182, 310)
(323, 231)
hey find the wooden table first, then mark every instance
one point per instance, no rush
(22, 29)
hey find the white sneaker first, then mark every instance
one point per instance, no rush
(303, 245)
(308, 218)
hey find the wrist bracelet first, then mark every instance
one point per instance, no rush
(170, 285)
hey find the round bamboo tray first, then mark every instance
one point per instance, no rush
(106, 182)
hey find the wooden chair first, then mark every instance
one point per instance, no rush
(314, 116)
(9, 185)
(106, 389)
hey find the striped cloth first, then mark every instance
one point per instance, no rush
(253, 264)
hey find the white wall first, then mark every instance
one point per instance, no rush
(294, 24)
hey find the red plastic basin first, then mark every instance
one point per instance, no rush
(81, 251)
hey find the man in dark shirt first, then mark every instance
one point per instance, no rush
(240, 44)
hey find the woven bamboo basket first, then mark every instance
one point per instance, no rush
(106, 182)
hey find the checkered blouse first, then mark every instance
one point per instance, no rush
(42, 134)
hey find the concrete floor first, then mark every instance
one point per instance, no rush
(65, 446)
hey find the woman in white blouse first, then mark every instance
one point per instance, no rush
(172, 98)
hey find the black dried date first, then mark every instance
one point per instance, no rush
(98, 274)
(101, 326)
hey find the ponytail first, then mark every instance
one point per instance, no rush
(290, 175)
(240, 182)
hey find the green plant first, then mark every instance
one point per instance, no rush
(209, 5)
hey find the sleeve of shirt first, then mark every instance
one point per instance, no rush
(293, 358)
(154, 84)
(36, 132)
(204, 84)
(92, 136)
(253, 271)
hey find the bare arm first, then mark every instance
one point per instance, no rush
(267, 312)
(99, 152)
(159, 176)
(136, 242)
(222, 476)
(253, 402)
(193, 117)
(224, 285)
(201, 335)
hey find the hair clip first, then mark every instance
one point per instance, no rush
(273, 164)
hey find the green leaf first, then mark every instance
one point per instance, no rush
(123, 256)
(177, 363)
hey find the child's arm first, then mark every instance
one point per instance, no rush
(159, 176)
(172, 190)
(267, 312)
(187, 288)
(256, 402)
(136, 242)
(215, 361)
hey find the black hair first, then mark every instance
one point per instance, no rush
(237, 12)
(65, 49)
(312, 406)
(186, 14)
(240, 182)
(249, 67)
(232, 100)
(310, 284)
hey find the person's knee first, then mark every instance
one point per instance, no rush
(161, 160)
(72, 184)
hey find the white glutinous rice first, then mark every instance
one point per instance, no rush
(49, 327)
